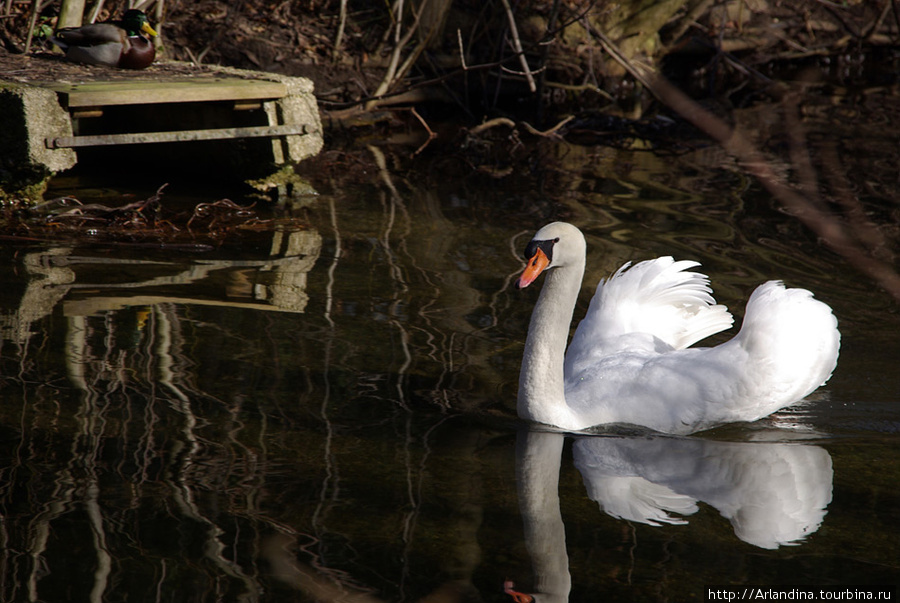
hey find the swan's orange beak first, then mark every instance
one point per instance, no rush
(536, 264)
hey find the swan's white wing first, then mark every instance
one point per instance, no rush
(787, 347)
(669, 306)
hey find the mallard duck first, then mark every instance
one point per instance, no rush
(111, 43)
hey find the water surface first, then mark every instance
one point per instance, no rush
(326, 410)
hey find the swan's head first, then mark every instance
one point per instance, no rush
(555, 245)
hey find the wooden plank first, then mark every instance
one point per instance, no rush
(177, 136)
(100, 94)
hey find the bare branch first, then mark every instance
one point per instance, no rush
(339, 37)
(804, 205)
(462, 54)
(551, 133)
(431, 134)
(517, 45)
(492, 123)
(826, 225)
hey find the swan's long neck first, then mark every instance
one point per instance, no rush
(541, 383)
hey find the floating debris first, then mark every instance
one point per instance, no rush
(146, 222)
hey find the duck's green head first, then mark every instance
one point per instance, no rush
(135, 22)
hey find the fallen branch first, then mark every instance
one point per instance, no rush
(551, 133)
(492, 123)
(431, 133)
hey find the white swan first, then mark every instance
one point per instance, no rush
(628, 362)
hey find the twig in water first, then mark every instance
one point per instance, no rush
(551, 133)
(492, 123)
(431, 134)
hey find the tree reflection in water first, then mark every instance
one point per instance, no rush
(179, 429)
(330, 414)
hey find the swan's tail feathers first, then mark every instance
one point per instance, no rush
(791, 340)
(661, 297)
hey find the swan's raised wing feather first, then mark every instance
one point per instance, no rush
(660, 298)
(787, 347)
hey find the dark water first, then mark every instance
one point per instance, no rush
(328, 413)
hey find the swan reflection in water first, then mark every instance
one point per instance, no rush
(774, 494)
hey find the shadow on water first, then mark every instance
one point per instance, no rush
(327, 412)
